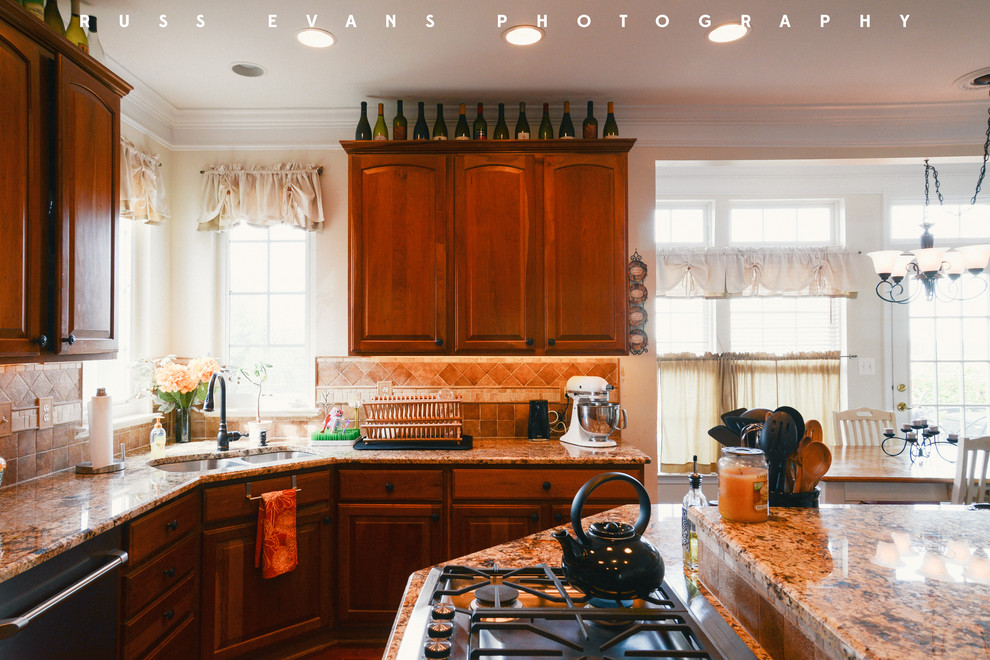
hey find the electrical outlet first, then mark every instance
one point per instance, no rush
(6, 413)
(46, 412)
(867, 367)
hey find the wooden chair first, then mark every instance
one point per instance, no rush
(862, 426)
(972, 461)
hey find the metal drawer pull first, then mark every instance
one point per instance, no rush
(172, 525)
(170, 614)
(389, 487)
(170, 572)
(10, 627)
(547, 485)
(247, 489)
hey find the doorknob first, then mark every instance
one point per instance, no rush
(901, 407)
(901, 387)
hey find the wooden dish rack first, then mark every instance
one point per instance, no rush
(426, 417)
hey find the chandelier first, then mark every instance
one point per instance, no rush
(939, 271)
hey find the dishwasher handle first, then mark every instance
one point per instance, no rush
(10, 627)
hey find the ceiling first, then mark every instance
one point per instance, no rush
(857, 80)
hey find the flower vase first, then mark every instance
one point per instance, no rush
(181, 424)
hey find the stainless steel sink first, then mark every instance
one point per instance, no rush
(230, 462)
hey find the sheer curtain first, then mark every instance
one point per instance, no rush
(696, 390)
(142, 187)
(285, 193)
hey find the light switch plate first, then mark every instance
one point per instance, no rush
(867, 367)
(6, 413)
(46, 412)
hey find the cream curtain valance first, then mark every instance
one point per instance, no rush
(722, 272)
(286, 193)
(142, 187)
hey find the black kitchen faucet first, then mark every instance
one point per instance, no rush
(223, 437)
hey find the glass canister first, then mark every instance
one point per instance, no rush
(742, 485)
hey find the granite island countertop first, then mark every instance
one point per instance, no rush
(857, 581)
(43, 517)
(664, 531)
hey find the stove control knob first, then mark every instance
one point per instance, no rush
(443, 612)
(440, 630)
(436, 648)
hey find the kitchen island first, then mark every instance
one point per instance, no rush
(867, 581)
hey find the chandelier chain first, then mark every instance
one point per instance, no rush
(986, 155)
(938, 193)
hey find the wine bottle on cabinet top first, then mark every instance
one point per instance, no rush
(480, 130)
(399, 122)
(420, 131)
(546, 129)
(566, 125)
(590, 126)
(522, 124)
(439, 126)
(363, 131)
(54, 18)
(462, 132)
(381, 130)
(36, 7)
(74, 32)
(501, 131)
(95, 46)
(611, 129)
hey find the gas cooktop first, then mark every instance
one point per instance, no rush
(465, 612)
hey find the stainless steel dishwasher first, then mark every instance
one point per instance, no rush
(65, 607)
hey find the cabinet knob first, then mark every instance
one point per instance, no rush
(529, 341)
(70, 340)
(439, 342)
(327, 520)
(547, 485)
(170, 614)
(169, 572)
(389, 487)
(40, 340)
(172, 525)
(534, 517)
(558, 516)
(435, 517)
(551, 341)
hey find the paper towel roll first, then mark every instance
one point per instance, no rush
(101, 429)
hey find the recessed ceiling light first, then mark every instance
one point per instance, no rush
(315, 38)
(728, 32)
(523, 35)
(247, 69)
(975, 80)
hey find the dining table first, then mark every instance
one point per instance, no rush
(868, 474)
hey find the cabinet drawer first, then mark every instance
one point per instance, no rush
(158, 575)
(391, 484)
(181, 643)
(162, 616)
(514, 484)
(152, 532)
(223, 502)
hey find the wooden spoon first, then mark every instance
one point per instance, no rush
(813, 429)
(815, 459)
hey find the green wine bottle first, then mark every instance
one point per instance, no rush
(611, 129)
(74, 32)
(36, 8)
(566, 126)
(399, 123)
(522, 124)
(501, 131)
(546, 130)
(420, 131)
(439, 126)
(462, 132)
(590, 126)
(480, 129)
(363, 131)
(381, 130)
(54, 18)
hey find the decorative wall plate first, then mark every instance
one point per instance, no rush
(636, 313)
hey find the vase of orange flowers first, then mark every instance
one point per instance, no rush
(177, 387)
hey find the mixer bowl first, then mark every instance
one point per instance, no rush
(599, 420)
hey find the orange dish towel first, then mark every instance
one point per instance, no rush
(275, 548)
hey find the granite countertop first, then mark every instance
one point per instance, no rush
(45, 516)
(664, 532)
(827, 572)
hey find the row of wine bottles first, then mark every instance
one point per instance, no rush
(479, 130)
(48, 12)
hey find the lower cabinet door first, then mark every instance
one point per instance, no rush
(241, 610)
(379, 545)
(478, 526)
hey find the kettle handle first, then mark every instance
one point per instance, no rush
(578, 505)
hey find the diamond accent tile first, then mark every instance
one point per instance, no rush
(352, 374)
(498, 374)
(524, 374)
(449, 374)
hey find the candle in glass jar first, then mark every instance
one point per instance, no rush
(742, 485)
(953, 437)
(933, 428)
(905, 428)
(911, 436)
(888, 431)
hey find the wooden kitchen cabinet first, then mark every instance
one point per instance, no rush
(242, 612)
(508, 247)
(58, 205)
(478, 526)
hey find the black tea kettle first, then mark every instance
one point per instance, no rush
(611, 560)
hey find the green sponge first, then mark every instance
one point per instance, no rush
(346, 435)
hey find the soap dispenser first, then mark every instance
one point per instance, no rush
(689, 535)
(158, 439)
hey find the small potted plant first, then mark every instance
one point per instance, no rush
(257, 374)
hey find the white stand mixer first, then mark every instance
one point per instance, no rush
(591, 392)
